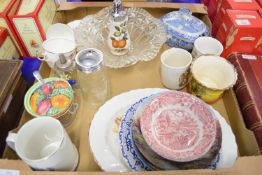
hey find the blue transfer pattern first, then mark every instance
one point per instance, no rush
(191, 26)
(215, 162)
(128, 149)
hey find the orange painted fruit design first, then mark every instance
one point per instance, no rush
(115, 43)
(122, 43)
(60, 84)
(60, 101)
(33, 101)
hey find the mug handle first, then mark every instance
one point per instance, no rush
(11, 139)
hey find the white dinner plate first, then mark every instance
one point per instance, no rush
(104, 139)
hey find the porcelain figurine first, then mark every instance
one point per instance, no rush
(118, 38)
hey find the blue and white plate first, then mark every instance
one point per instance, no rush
(107, 151)
(128, 149)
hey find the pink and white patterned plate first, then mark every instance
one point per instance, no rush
(178, 126)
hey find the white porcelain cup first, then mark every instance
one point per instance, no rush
(44, 145)
(175, 64)
(207, 46)
(54, 47)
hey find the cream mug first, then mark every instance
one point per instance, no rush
(207, 46)
(175, 64)
(44, 145)
(55, 47)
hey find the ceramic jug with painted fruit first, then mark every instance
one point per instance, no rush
(118, 38)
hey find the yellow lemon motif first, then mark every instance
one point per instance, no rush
(33, 101)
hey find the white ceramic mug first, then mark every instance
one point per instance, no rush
(175, 64)
(54, 47)
(44, 145)
(207, 46)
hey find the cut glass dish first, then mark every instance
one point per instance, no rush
(146, 33)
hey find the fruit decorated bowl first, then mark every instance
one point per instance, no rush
(52, 99)
(147, 36)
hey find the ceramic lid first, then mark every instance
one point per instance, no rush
(60, 30)
(178, 126)
(181, 24)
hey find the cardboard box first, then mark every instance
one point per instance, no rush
(240, 31)
(31, 21)
(8, 49)
(9, 7)
(234, 5)
(141, 75)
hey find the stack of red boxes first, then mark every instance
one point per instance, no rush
(27, 22)
(240, 31)
(9, 7)
(237, 24)
(234, 5)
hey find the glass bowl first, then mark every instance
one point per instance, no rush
(146, 32)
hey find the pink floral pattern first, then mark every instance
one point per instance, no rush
(176, 133)
(178, 126)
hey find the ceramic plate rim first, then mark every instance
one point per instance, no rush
(136, 95)
(121, 100)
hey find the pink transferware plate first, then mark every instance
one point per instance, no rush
(178, 126)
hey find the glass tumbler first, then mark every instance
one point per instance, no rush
(92, 76)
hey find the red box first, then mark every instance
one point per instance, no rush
(234, 5)
(8, 49)
(206, 2)
(213, 7)
(240, 31)
(9, 7)
(31, 21)
(258, 47)
(260, 2)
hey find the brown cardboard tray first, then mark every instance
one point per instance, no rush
(141, 75)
